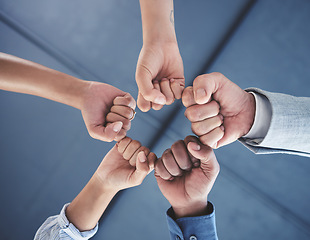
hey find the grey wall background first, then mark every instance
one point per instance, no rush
(46, 153)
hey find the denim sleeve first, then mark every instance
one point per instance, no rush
(192, 228)
(58, 227)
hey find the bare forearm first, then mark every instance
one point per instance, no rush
(157, 20)
(23, 76)
(86, 209)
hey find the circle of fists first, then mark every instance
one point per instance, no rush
(219, 111)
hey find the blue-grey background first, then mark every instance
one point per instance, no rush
(46, 153)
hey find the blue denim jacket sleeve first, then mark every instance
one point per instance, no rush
(192, 228)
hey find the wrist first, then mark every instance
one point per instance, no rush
(194, 209)
(250, 110)
(159, 33)
(80, 91)
(102, 187)
(86, 209)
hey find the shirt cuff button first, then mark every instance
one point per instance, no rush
(193, 237)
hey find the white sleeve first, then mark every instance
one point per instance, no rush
(288, 130)
(263, 114)
(58, 227)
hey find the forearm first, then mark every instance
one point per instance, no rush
(23, 76)
(86, 209)
(157, 20)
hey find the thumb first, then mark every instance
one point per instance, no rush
(144, 81)
(205, 85)
(142, 169)
(108, 133)
(153, 95)
(204, 153)
(208, 162)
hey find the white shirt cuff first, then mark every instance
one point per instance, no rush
(71, 230)
(262, 120)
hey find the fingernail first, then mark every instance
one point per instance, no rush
(117, 126)
(200, 93)
(195, 146)
(141, 157)
(222, 128)
(214, 145)
(160, 100)
(221, 117)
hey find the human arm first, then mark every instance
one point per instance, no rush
(277, 123)
(185, 175)
(286, 118)
(94, 99)
(219, 110)
(114, 174)
(159, 73)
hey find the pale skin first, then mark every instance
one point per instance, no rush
(185, 175)
(219, 110)
(94, 99)
(159, 73)
(113, 174)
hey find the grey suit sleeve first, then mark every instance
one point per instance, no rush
(289, 130)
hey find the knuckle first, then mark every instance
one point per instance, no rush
(166, 154)
(122, 134)
(219, 120)
(165, 177)
(109, 115)
(189, 138)
(186, 166)
(196, 128)
(217, 75)
(127, 101)
(175, 146)
(186, 95)
(144, 149)
(193, 114)
(175, 172)
(169, 100)
(204, 140)
(135, 143)
(215, 105)
(126, 124)
(164, 80)
(147, 95)
(127, 112)
(117, 99)
(199, 79)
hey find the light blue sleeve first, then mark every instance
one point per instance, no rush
(58, 227)
(192, 228)
(289, 130)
